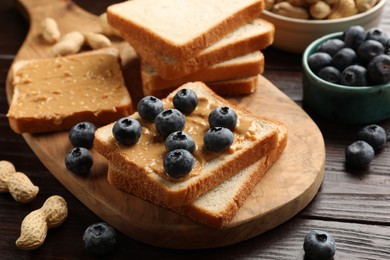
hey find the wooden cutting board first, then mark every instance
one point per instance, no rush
(285, 190)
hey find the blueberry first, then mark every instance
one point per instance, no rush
(149, 107)
(377, 34)
(218, 139)
(359, 154)
(169, 121)
(79, 161)
(387, 48)
(330, 74)
(354, 75)
(318, 60)
(319, 245)
(127, 131)
(180, 140)
(354, 36)
(331, 46)
(185, 100)
(223, 116)
(374, 135)
(379, 69)
(82, 135)
(368, 50)
(178, 163)
(99, 238)
(344, 58)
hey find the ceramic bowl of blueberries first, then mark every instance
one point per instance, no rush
(294, 31)
(346, 76)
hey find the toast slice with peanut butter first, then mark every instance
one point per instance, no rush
(254, 137)
(217, 207)
(54, 94)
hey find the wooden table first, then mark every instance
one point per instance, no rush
(353, 206)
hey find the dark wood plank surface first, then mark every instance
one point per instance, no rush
(353, 206)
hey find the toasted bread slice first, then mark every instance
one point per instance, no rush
(181, 28)
(244, 66)
(229, 87)
(253, 36)
(254, 137)
(54, 94)
(217, 207)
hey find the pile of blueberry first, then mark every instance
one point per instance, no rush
(358, 58)
(79, 159)
(360, 153)
(178, 161)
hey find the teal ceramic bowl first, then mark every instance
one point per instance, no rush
(343, 104)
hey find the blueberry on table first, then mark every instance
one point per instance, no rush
(318, 60)
(330, 74)
(359, 154)
(354, 75)
(344, 58)
(374, 135)
(223, 116)
(354, 36)
(180, 140)
(79, 161)
(82, 135)
(218, 139)
(149, 107)
(169, 121)
(99, 238)
(127, 131)
(379, 69)
(319, 245)
(178, 163)
(185, 100)
(368, 50)
(377, 34)
(331, 46)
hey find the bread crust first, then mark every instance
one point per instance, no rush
(121, 17)
(232, 46)
(248, 65)
(231, 87)
(198, 183)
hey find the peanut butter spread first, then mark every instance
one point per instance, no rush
(55, 89)
(148, 153)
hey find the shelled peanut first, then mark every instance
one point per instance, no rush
(319, 9)
(49, 30)
(16, 183)
(36, 224)
(73, 42)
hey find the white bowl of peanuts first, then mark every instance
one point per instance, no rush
(300, 22)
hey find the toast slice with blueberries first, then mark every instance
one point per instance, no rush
(176, 178)
(218, 206)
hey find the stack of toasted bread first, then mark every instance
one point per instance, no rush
(218, 42)
(219, 182)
